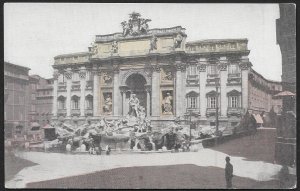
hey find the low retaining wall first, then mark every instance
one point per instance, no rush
(210, 142)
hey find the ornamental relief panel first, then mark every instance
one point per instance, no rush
(167, 75)
(106, 78)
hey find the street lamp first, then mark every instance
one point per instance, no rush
(188, 117)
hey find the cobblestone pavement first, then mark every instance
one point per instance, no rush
(59, 165)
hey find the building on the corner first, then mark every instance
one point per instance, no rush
(285, 149)
(261, 94)
(41, 100)
(168, 75)
(16, 98)
(286, 38)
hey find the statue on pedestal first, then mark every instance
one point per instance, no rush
(114, 47)
(153, 41)
(133, 106)
(178, 41)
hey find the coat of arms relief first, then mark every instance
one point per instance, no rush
(135, 25)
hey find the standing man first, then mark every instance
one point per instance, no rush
(228, 173)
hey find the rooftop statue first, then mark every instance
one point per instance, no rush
(135, 25)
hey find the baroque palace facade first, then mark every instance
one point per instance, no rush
(168, 75)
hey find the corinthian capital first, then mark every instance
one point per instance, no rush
(82, 74)
(156, 68)
(245, 65)
(202, 67)
(68, 75)
(223, 66)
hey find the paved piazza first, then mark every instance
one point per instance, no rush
(58, 165)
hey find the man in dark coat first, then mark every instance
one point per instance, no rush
(228, 173)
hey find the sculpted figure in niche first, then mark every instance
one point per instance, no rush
(107, 108)
(178, 41)
(153, 43)
(107, 78)
(167, 104)
(114, 47)
(133, 106)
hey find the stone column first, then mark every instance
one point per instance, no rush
(202, 84)
(148, 101)
(82, 75)
(116, 91)
(183, 90)
(55, 87)
(123, 102)
(223, 82)
(155, 99)
(245, 66)
(95, 92)
(68, 75)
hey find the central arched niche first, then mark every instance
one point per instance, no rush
(135, 84)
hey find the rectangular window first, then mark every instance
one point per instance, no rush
(75, 77)
(212, 69)
(75, 104)
(233, 69)
(89, 104)
(61, 104)
(192, 70)
(233, 101)
(212, 102)
(192, 102)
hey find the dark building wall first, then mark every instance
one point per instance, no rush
(285, 149)
(286, 38)
(16, 92)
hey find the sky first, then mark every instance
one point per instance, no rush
(36, 32)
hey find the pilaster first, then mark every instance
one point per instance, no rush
(68, 76)
(223, 81)
(55, 84)
(95, 92)
(202, 83)
(155, 99)
(82, 75)
(116, 90)
(245, 66)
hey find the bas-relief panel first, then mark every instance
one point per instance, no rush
(106, 78)
(167, 75)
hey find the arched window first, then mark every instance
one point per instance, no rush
(234, 99)
(89, 102)
(192, 100)
(61, 102)
(75, 102)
